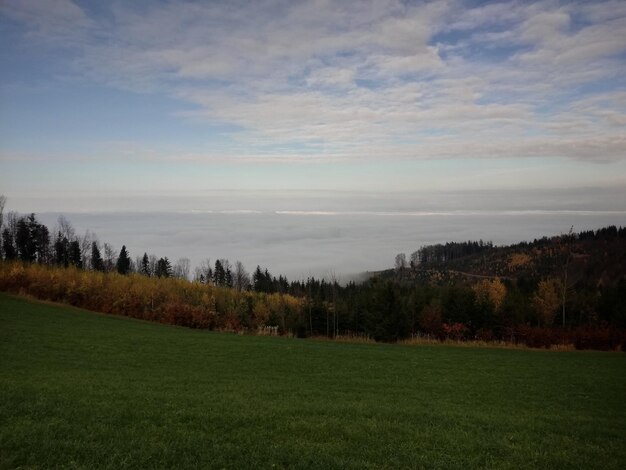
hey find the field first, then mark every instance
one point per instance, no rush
(84, 390)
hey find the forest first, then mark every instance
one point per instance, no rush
(569, 289)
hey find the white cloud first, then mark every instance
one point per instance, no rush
(352, 80)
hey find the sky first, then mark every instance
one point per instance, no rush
(118, 104)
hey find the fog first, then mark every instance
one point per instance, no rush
(325, 235)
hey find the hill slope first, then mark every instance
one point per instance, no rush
(592, 259)
(79, 389)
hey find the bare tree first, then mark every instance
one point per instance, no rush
(12, 220)
(242, 277)
(203, 272)
(181, 268)
(138, 260)
(65, 228)
(400, 262)
(3, 201)
(110, 258)
(85, 247)
(153, 261)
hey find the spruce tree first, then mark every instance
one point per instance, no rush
(97, 263)
(145, 265)
(163, 268)
(74, 254)
(61, 250)
(123, 261)
(8, 246)
(219, 275)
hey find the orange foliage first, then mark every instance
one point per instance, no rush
(165, 300)
(491, 291)
(518, 260)
(546, 300)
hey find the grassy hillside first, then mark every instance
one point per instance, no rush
(84, 390)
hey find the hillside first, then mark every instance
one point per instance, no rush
(591, 259)
(568, 291)
(85, 390)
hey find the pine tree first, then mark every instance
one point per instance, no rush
(97, 263)
(123, 261)
(61, 250)
(163, 268)
(74, 255)
(219, 275)
(145, 265)
(8, 247)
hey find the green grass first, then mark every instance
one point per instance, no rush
(84, 390)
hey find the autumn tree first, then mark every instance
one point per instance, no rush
(546, 301)
(431, 318)
(492, 292)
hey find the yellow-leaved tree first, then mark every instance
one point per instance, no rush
(546, 300)
(491, 291)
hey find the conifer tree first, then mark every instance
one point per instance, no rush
(123, 261)
(61, 250)
(145, 265)
(8, 247)
(97, 263)
(163, 268)
(74, 255)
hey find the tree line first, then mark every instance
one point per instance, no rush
(223, 295)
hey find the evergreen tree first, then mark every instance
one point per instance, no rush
(42, 243)
(24, 242)
(74, 255)
(31, 240)
(145, 265)
(97, 263)
(8, 246)
(61, 250)
(163, 268)
(257, 279)
(219, 275)
(123, 261)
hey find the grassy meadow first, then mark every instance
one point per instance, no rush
(86, 390)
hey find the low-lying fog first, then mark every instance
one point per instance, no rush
(318, 234)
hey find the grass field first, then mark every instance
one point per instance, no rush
(84, 390)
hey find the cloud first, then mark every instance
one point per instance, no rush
(352, 80)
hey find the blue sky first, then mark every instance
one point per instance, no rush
(120, 97)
